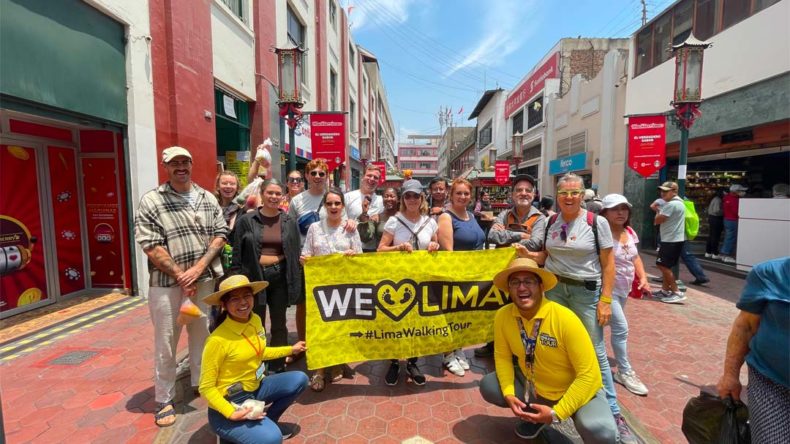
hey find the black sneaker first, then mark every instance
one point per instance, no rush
(392, 374)
(485, 351)
(700, 281)
(415, 373)
(528, 430)
(287, 430)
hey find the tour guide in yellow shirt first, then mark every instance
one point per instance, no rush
(232, 369)
(561, 366)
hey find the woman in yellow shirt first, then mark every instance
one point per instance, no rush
(233, 370)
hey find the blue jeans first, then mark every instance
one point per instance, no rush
(691, 263)
(281, 390)
(619, 325)
(584, 303)
(730, 236)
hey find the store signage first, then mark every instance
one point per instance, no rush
(328, 138)
(647, 143)
(354, 152)
(502, 171)
(567, 164)
(532, 85)
(383, 168)
(102, 211)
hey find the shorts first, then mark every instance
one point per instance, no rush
(669, 254)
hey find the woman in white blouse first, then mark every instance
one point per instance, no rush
(329, 236)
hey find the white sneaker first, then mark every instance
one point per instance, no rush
(452, 364)
(708, 255)
(674, 298)
(631, 382)
(461, 357)
(715, 256)
(728, 260)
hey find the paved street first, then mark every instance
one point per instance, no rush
(108, 398)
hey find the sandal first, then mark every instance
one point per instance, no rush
(336, 372)
(317, 383)
(163, 413)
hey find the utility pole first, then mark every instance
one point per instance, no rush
(644, 12)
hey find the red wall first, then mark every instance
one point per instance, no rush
(265, 27)
(183, 83)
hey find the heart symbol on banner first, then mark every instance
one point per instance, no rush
(394, 301)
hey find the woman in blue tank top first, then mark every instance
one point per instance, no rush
(459, 231)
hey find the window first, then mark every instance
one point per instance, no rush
(532, 152)
(485, 135)
(426, 165)
(364, 126)
(352, 114)
(682, 22)
(296, 35)
(518, 122)
(705, 18)
(734, 12)
(644, 50)
(352, 56)
(333, 14)
(578, 143)
(332, 90)
(661, 30)
(237, 7)
(535, 112)
(564, 147)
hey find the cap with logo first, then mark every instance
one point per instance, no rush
(668, 186)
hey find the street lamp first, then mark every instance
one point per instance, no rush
(517, 138)
(289, 64)
(687, 96)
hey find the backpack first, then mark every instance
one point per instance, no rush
(692, 219)
(591, 221)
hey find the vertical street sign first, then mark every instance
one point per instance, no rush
(647, 143)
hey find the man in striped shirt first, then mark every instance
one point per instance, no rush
(181, 229)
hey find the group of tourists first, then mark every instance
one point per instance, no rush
(571, 278)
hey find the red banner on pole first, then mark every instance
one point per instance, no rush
(502, 171)
(647, 143)
(383, 168)
(328, 137)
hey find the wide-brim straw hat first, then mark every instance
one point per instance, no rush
(233, 283)
(524, 264)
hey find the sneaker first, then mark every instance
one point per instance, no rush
(452, 364)
(728, 259)
(708, 255)
(625, 433)
(715, 256)
(415, 374)
(657, 279)
(393, 374)
(287, 430)
(631, 382)
(461, 357)
(674, 298)
(700, 281)
(660, 294)
(528, 430)
(485, 351)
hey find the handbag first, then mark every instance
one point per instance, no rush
(414, 240)
(309, 218)
(708, 419)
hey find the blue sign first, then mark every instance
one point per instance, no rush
(566, 164)
(354, 152)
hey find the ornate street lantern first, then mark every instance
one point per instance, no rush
(289, 65)
(516, 140)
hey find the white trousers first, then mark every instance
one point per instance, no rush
(164, 303)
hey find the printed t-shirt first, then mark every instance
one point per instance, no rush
(576, 257)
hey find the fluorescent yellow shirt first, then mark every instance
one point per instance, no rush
(566, 368)
(228, 358)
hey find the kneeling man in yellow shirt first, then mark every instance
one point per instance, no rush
(557, 375)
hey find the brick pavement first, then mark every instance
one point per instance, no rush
(109, 397)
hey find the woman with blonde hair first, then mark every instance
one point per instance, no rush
(226, 189)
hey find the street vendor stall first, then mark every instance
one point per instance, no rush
(498, 193)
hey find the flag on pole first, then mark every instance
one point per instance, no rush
(461, 111)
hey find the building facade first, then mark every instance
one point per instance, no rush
(489, 115)
(420, 154)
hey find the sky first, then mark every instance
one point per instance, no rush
(445, 53)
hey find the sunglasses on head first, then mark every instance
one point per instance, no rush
(317, 173)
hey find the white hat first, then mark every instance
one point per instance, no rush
(174, 151)
(613, 200)
(737, 187)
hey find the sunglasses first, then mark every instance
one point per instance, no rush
(333, 204)
(516, 283)
(317, 173)
(572, 193)
(564, 232)
(411, 196)
(294, 180)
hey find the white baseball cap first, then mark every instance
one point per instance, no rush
(174, 151)
(613, 200)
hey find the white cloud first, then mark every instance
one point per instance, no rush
(505, 23)
(378, 12)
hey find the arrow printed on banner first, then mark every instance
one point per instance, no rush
(355, 334)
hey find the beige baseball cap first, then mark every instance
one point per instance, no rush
(174, 151)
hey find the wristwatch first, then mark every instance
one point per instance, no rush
(554, 418)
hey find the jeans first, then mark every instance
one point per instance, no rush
(619, 325)
(715, 226)
(281, 390)
(276, 298)
(692, 264)
(592, 420)
(584, 303)
(730, 236)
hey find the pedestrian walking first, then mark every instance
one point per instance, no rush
(628, 267)
(553, 378)
(181, 229)
(671, 219)
(730, 206)
(715, 224)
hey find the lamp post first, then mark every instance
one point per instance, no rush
(687, 96)
(516, 140)
(289, 64)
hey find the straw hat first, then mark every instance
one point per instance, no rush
(232, 283)
(524, 264)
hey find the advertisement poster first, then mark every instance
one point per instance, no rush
(328, 138)
(102, 211)
(502, 171)
(66, 217)
(239, 163)
(647, 143)
(22, 274)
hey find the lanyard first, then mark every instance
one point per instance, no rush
(529, 355)
(258, 349)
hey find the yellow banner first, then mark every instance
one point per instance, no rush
(397, 305)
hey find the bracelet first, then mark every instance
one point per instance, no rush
(606, 299)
